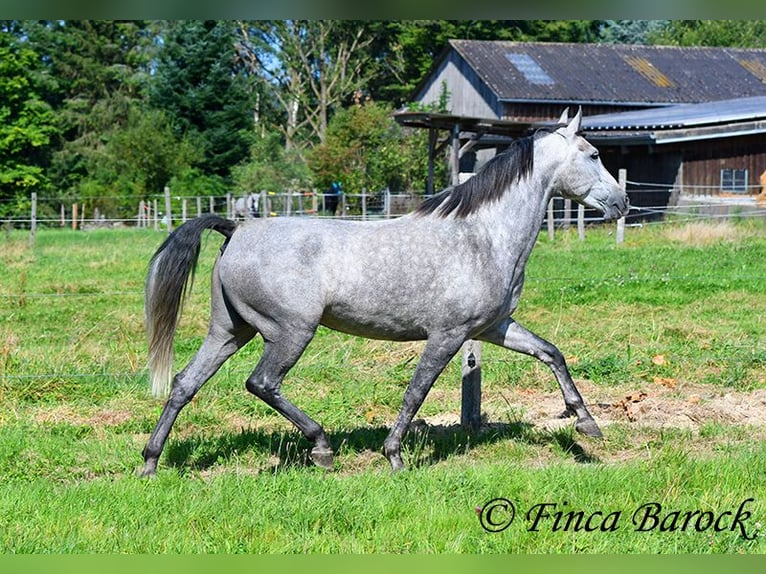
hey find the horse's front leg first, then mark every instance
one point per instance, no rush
(511, 335)
(437, 354)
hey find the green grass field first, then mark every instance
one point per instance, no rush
(664, 334)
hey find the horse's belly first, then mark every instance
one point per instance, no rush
(374, 325)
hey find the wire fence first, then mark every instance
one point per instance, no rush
(651, 203)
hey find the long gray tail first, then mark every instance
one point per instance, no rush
(171, 273)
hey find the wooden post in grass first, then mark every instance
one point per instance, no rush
(470, 409)
(581, 221)
(74, 217)
(168, 214)
(623, 180)
(551, 230)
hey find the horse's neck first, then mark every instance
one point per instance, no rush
(513, 224)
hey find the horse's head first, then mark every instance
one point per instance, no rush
(582, 177)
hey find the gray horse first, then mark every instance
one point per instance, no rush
(450, 271)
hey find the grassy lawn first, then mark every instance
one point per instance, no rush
(664, 334)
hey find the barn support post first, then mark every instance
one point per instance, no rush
(455, 155)
(432, 136)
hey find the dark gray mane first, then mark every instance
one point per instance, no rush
(489, 184)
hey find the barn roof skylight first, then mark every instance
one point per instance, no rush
(531, 70)
(649, 71)
(755, 67)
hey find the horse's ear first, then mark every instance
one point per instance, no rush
(564, 116)
(574, 125)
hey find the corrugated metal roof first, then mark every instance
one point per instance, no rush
(614, 73)
(681, 116)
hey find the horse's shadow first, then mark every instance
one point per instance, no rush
(424, 445)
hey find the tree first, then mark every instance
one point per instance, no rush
(206, 96)
(310, 67)
(630, 31)
(366, 148)
(96, 72)
(734, 33)
(271, 168)
(27, 123)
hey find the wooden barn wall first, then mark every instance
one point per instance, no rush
(704, 160)
(467, 95)
(651, 176)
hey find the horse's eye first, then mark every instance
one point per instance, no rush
(594, 155)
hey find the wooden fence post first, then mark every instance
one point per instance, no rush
(168, 211)
(470, 409)
(74, 217)
(623, 180)
(581, 221)
(551, 229)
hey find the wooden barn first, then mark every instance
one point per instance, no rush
(680, 120)
(686, 150)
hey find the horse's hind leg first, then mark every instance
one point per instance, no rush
(278, 358)
(511, 335)
(219, 345)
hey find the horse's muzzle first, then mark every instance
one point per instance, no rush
(617, 208)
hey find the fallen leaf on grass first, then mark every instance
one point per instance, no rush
(630, 404)
(668, 382)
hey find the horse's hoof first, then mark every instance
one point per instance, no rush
(147, 473)
(323, 458)
(588, 427)
(395, 460)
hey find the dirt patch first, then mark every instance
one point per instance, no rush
(663, 403)
(97, 419)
